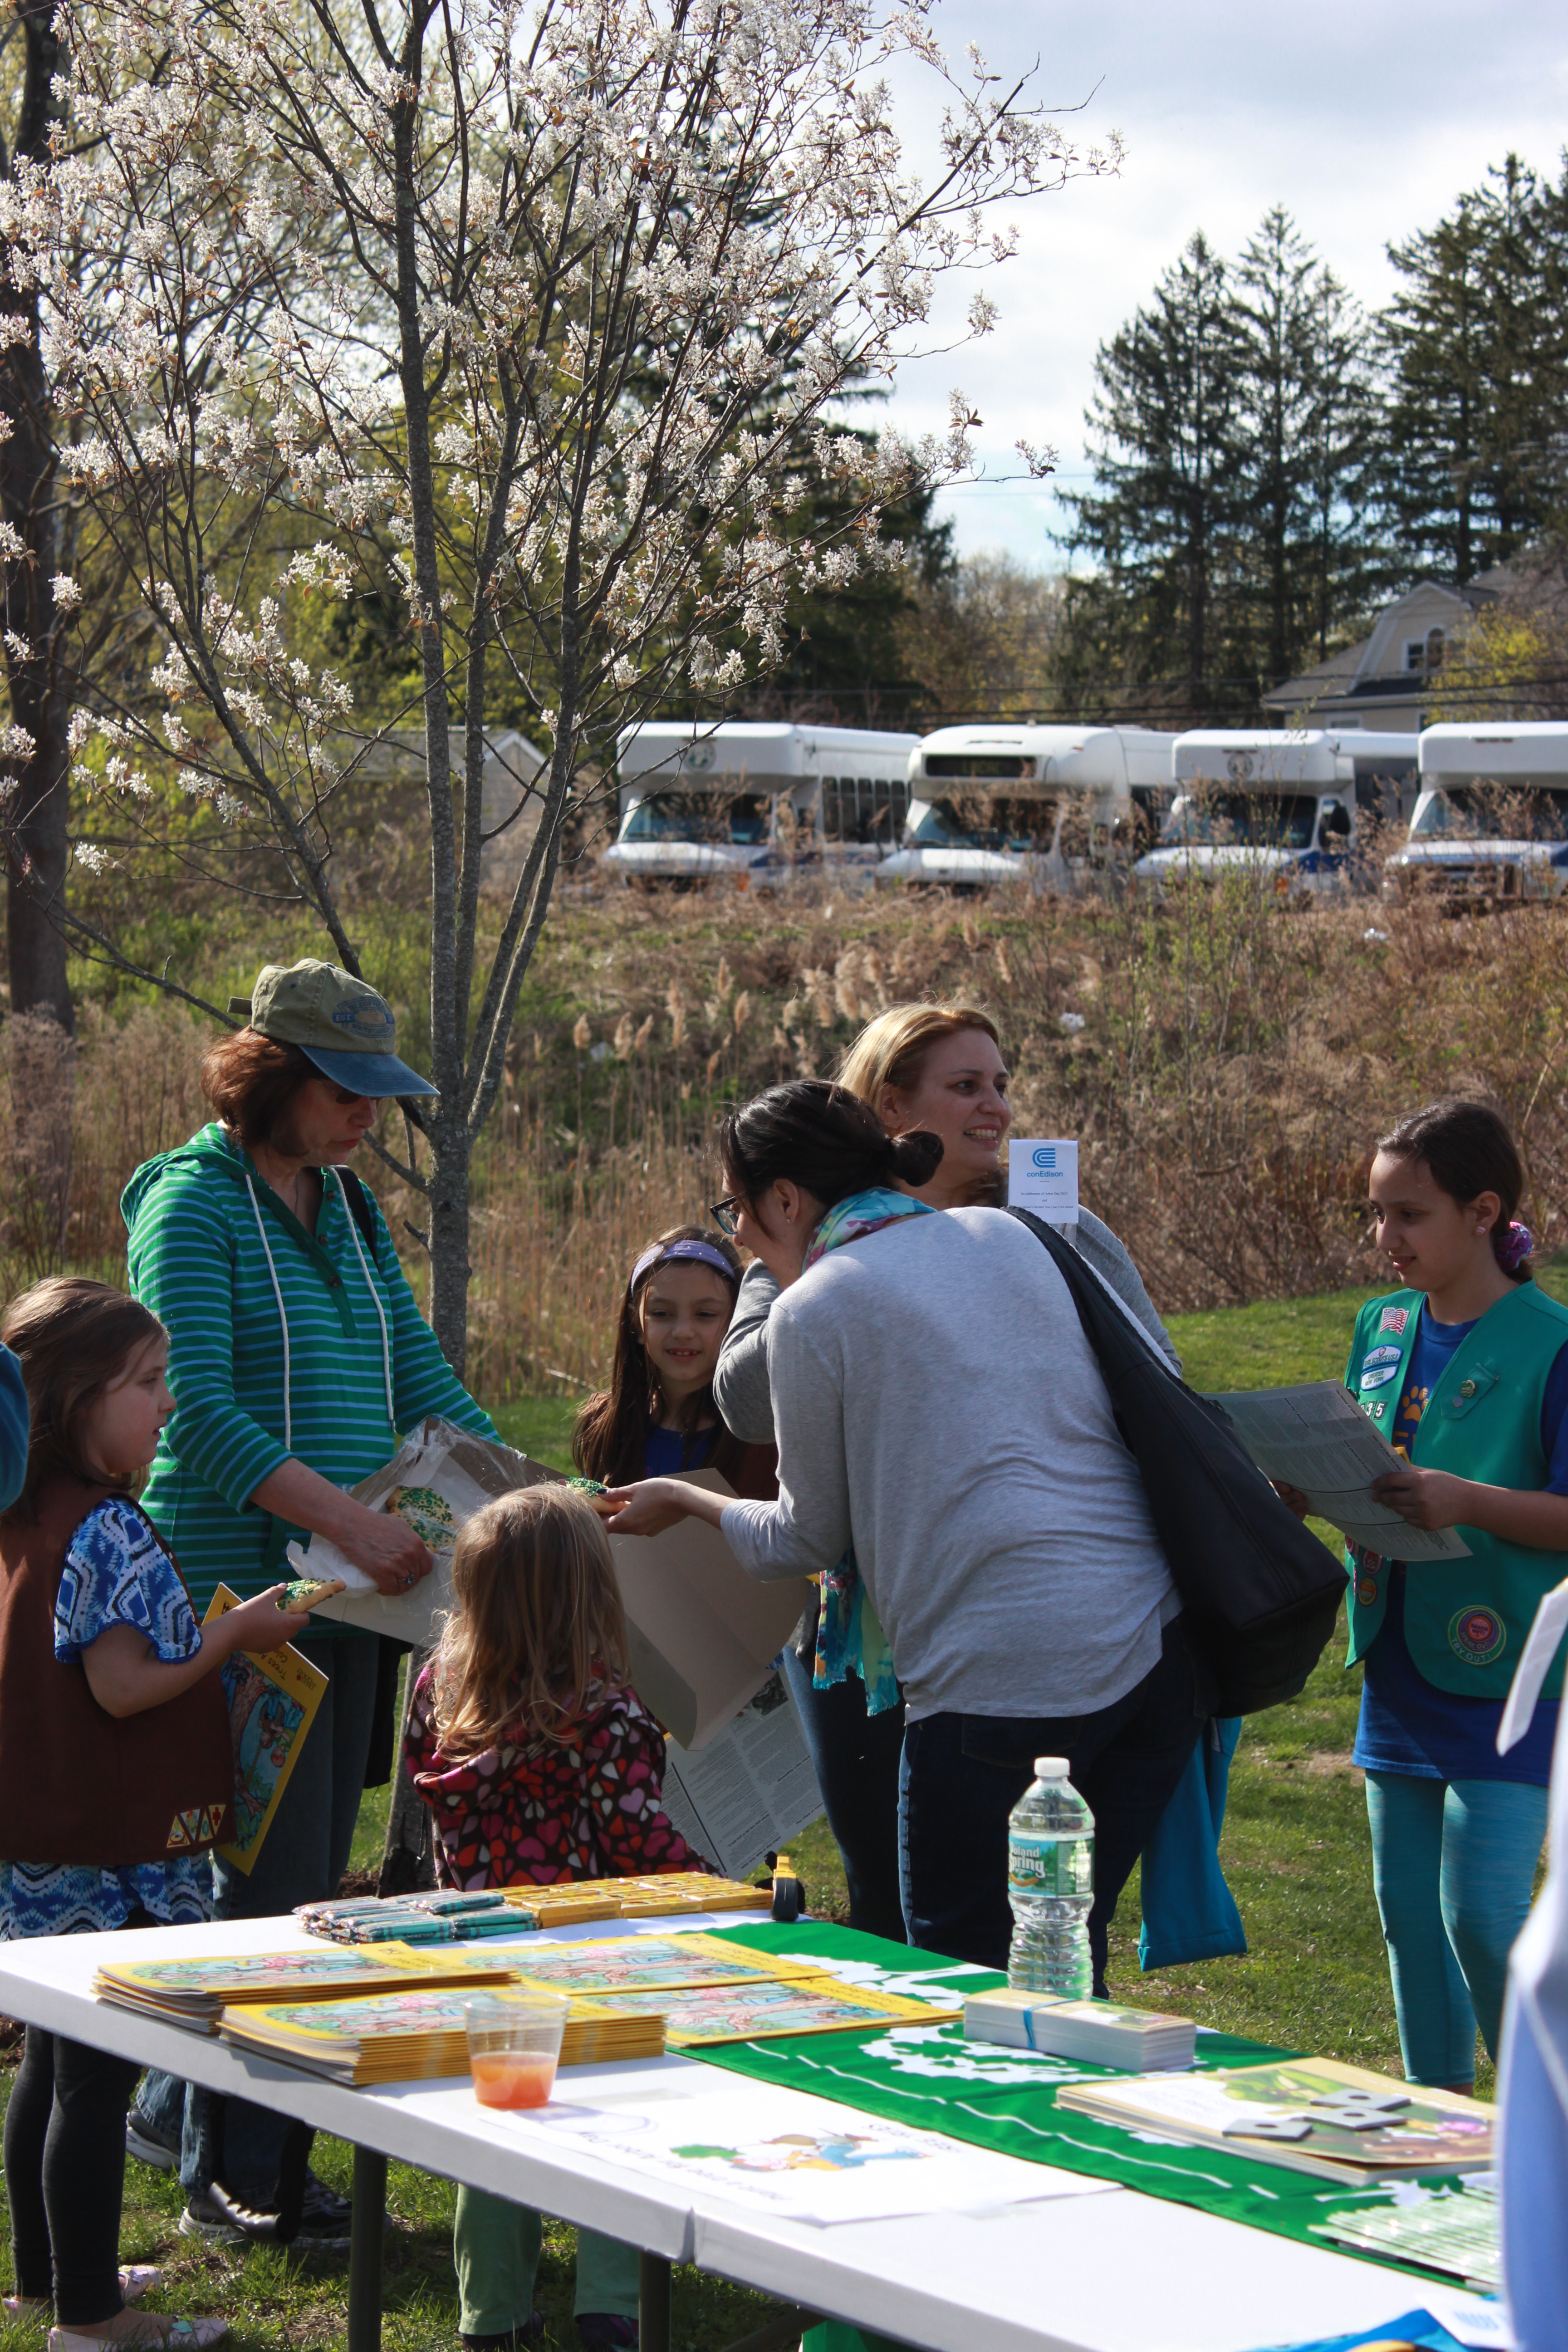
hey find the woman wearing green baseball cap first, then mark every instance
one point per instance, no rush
(296, 1353)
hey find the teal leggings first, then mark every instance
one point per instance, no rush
(1453, 1863)
(495, 2248)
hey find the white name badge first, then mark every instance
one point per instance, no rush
(1042, 1177)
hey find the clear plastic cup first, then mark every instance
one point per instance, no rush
(514, 2046)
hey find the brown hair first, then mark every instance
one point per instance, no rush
(892, 1050)
(1469, 1149)
(537, 1633)
(73, 1339)
(251, 1081)
(608, 1438)
(822, 1138)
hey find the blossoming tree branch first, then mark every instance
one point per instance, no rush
(540, 312)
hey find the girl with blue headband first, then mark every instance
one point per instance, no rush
(658, 1416)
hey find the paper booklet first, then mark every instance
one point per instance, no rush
(650, 1963)
(272, 1696)
(1310, 2114)
(1317, 1439)
(192, 1992)
(1453, 2230)
(401, 2037)
(750, 1790)
(764, 2012)
(439, 1477)
(702, 1633)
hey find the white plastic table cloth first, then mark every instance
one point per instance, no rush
(1110, 2270)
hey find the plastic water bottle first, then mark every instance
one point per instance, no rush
(1050, 1885)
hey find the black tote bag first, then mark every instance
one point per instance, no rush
(1260, 1594)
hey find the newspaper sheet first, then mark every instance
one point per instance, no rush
(1317, 1439)
(749, 1790)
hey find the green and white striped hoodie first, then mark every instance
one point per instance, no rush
(280, 1342)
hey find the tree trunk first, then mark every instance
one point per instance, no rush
(36, 832)
(449, 1268)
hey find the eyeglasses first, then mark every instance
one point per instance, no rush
(725, 1212)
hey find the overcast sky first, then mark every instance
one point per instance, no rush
(1365, 118)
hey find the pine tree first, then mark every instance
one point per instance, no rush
(1477, 351)
(1304, 426)
(1161, 526)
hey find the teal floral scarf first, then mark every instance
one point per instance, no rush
(848, 1637)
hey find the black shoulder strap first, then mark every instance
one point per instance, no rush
(361, 1206)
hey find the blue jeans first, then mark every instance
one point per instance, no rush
(303, 1856)
(1453, 1865)
(963, 1775)
(856, 1756)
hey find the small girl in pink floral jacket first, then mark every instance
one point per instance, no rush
(538, 1763)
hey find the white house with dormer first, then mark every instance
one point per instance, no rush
(1386, 680)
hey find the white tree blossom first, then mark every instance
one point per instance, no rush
(530, 313)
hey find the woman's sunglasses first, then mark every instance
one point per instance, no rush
(726, 1212)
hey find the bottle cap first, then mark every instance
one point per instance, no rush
(1052, 1768)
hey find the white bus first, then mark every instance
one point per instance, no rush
(763, 799)
(1492, 818)
(1048, 806)
(1278, 803)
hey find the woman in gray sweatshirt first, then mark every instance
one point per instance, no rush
(938, 1408)
(937, 1067)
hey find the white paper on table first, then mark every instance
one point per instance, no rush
(752, 2146)
(1042, 1177)
(1317, 1439)
(1540, 1649)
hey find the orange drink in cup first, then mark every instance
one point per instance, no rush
(514, 2047)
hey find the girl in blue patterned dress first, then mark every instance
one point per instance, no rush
(116, 1771)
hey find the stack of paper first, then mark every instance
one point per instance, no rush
(1311, 2114)
(572, 1900)
(448, 1918)
(1135, 2041)
(192, 1992)
(1456, 2232)
(400, 2037)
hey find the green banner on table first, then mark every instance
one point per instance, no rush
(930, 2077)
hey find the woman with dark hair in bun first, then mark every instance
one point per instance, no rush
(939, 1411)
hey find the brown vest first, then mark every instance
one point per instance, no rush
(77, 1784)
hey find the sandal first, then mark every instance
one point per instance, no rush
(136, 2279)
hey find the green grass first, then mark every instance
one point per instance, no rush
(1295, 1851)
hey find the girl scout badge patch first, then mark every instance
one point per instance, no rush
(1394, 1319)
(1476, 1635)
(1379, 1366)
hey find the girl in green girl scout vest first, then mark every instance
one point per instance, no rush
(1466, 1372)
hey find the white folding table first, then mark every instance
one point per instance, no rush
(1110, 2270)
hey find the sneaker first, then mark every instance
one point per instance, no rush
(324, 2211)
(608, 2328)
(203, 2218)
(220, 2218)
(531, 2332)
(147, 2146)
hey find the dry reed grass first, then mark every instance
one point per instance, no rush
(1235, 1063)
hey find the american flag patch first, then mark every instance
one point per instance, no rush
(1395, 1319)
